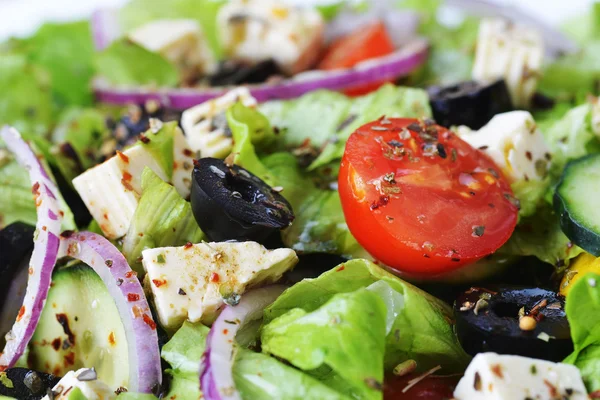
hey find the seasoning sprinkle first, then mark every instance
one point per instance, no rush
(478, 231)
(405, 367)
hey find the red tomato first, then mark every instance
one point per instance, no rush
(367, 42)
(430, 388)
(420, 199)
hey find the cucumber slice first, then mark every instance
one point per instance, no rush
(80, 327)
(576, 201)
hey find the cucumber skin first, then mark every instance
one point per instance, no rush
(579, 234)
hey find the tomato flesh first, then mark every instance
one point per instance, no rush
(420, 199)
(363, 44)
(430, 388)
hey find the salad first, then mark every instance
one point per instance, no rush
(252, 200)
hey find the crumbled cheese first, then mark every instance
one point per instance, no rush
(194, 281)
(92, 389)
(510, 51)
(112, 189)
(515, 144)
(492, 376)
(256, 30)
(179, 40)
(198, 123)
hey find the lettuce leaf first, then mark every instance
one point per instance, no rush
(421, 330)
(583, 312)
(139, 12)
(162, 218)
(26, 101)
(183, 353)
(388, 100)
(126, 63)
(346, 334)
(160, 144)
(66, 51)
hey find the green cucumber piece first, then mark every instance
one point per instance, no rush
(576, 201)
(91, 333)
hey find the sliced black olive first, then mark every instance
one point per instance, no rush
(236, 73)
(469, 103)
(489, 320)
(137, 121)
(313, 265)
(26, 384)
(230, 203)
(16, 244)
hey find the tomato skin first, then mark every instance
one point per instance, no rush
(364, 43)
(430, 388)
(423, 206)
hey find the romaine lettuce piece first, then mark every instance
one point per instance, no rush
(162, 218)
(421, 330)
(184, 352)
(26, 101)
(346, 335)
(126, 63)
(583, 312)
(66, 51)
(389, 101)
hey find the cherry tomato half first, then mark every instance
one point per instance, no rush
(365, 43)
(420, 199)
(430, 388)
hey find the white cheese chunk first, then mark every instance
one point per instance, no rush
(198, 123)
(112, 189)
(491, 376)
(510, 51)
(181, 41)
(515, 144)
(257, 30)
(92, 389)
(191, 282)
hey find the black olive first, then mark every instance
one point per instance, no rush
(235, 73)
(230, 203)
(313, 265)
(137, 121)
(16, 244)
(469, 103)
(27, 384)
(488, 320)
(76, 205)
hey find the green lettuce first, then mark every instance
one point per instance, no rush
(583, 312)
(421, 330)
(346, 335)
(160, 144)
(135, 396)
(84, 131)
(256, 375)
(66, 51)
(162, 218)
(183, 353)
(319, 226)
(26, 101)
(389, 100)
(16, 200)
(126, 63)
(139, 12)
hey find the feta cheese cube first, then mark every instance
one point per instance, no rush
(510, 51)
(112, 189)
(85, 380)
(206, 127)
(515, 144)
(492, 376)
(191, 282)
(257, 30)
(181, 41)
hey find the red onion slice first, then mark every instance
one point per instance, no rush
(216, 375)
(45, 248)
(145, 373)
(400, 63)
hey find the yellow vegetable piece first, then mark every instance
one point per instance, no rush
(583, 264)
